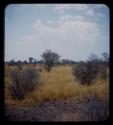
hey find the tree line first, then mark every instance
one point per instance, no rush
(50, 58)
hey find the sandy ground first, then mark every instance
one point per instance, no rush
(61, 110)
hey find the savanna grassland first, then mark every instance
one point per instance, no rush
(58, 84)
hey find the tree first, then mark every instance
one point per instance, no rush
(30, 59)
(50, 58)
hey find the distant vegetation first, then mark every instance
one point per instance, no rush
(37, 79)
(31, 60)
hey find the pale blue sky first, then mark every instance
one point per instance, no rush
(72, 30)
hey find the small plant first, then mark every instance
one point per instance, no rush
(23, 82)
(86, 72)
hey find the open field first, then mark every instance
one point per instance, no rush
(59, 84)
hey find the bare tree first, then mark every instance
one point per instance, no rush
(50, 58)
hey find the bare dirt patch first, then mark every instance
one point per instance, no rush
(61, 110)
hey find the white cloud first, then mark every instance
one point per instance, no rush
(40, 27)
(100, 15)
(80, 30)
(79, 17)
(66, 17)
(67, 33)
(81, 6)
(50, 22)
(70, 17)
(62, 7)
(90, 12)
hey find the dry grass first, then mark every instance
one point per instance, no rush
(59, 84)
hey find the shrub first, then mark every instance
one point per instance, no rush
(103, 72)
(86, 72)
(23, 82)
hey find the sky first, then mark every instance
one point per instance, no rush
(74, 31)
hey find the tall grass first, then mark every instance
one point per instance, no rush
(60, 84)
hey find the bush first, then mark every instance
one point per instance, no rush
(86, 72)
(23, 82)
(103, 72)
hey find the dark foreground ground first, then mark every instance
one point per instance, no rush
(61, 110)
